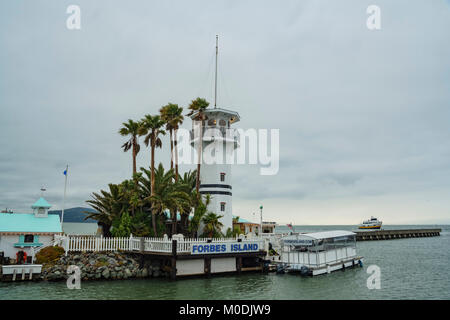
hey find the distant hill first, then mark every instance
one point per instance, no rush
(74, 214)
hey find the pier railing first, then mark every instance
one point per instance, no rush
(144, 244)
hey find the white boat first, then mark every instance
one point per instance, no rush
(373, 223)
(319, 252)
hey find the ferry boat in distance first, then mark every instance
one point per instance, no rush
(372, 224)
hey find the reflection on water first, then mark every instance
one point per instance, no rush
(410, 269)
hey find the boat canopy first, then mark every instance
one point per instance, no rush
(327, 234)
(315, 237)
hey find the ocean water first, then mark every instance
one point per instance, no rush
(416, 268)
(80, 228)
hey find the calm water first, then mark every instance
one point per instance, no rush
(410, 269)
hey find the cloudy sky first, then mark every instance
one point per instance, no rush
(364, 116)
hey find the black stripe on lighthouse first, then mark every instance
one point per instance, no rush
(227, 193)
(227, 186)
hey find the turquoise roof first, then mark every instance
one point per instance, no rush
(241, 220)
(28, 222)
(41, 203)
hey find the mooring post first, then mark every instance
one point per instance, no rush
(238, 264)
(173, 271)
(207, 268)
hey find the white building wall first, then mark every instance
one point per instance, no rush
(223, 265)
(190, 267)
(218, 143)
(211, 183)
(7, 244)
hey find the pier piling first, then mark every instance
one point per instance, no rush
(396, 234)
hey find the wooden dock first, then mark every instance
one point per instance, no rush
(181, 256)
(396, 234)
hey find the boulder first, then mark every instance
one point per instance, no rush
(127, 273)
(106, 274)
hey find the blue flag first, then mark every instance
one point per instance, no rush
(65, 172)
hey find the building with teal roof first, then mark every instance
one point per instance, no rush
(245, 226)
(28, 231)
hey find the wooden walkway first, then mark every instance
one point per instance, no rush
(396, 234)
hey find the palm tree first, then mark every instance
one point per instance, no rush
(172, 115)
(197, 107)
(108, 205)
(169, 195)
(151, 128)
(200, 209)
(188, 182)
(131, 128)
(212, 224)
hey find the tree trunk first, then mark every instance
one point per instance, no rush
(152, 168)
(171, 149)
(174, 222)
(105, 229)
(183, 224)
(176, 155)
(134, 158)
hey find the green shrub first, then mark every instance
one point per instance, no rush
(49, 254)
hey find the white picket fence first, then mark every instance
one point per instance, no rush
(101, 244)
(157, 245)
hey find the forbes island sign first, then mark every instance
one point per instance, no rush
(231, 247)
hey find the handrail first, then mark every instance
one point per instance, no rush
(157, 245)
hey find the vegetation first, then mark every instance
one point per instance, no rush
(49, 254)
(197, 108)
(131, 128)
(149, 202)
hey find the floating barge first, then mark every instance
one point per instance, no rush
(396, 234)
(311, 254)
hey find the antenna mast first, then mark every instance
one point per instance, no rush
(215, 90)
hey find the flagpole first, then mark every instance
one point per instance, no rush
(64, 199)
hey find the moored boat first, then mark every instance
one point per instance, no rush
(373, 223)
(319, 252)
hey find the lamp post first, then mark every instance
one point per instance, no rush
(260, 225)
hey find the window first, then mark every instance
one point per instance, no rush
(212, 123)
(222, 176)
(222, 123)
(222, 206)
(29, 238)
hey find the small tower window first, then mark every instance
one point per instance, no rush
(222, 206)
(222, 176)
(222, 123)
(212, 123)
(29, 238)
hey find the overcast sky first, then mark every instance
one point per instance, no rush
(364, 116)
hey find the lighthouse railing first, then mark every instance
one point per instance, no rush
(216, 132)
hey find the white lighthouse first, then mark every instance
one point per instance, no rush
(219, 140)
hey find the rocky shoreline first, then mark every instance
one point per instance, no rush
(103, 266)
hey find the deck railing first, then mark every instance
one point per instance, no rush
(136, 244)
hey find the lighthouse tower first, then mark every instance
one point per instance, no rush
(218, 141)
